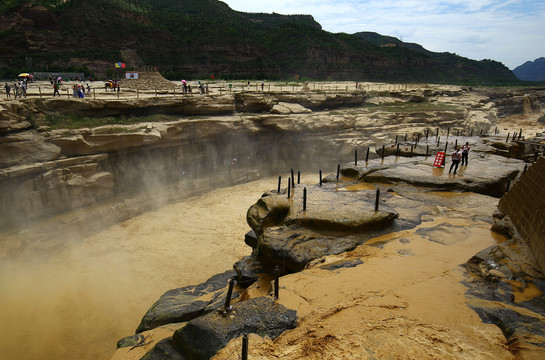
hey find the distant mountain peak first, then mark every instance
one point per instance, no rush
(531, 70)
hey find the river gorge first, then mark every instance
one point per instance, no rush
(98, 223)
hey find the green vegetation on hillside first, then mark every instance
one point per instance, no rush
(200, 38)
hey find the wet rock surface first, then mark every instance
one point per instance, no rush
(485, 174)
(505, 288)
(333, 222)
(203, 337)
(164, 349)
(187, 303)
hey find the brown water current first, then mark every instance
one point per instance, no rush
(76, 301)
(406, 298)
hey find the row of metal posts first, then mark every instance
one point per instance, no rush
(291, 184)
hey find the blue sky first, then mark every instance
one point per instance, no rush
(508, 31)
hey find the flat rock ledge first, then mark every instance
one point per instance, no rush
(187, 303)
(486, 174)
(333, 222)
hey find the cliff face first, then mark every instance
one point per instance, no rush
(190, 39)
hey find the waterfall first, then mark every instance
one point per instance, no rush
(527, 106)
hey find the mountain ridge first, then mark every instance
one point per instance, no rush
(531, 70)
(200, 38)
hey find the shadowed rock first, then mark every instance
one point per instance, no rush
(342, 264)
(506, 289)
(248, 271)
(184, 304)
(201, 338)
(333, 222)
(163, 350)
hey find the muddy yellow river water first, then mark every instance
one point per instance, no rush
(76, 302)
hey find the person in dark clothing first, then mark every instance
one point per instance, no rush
(465, 153)
(8, 90)
(56, 89)
(455, 160)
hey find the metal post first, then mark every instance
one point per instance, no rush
(397, 150)
(514, 136)
(40, 90)
(245, 347)
(448, 132)
(456, 144)
(520, 133)
(276, 282)
(289, 187)
(383, 150)
(279, 182)
(411, 149)
(377, 199)
(507, 140)
(356, 157)
(427, 149)
(446, 145)
(405, 138)
(396, 139)
(427, 133)
(338, 171)
(367, 155)
(438, 139)
(298, 177)
(227, 306)
(320, 177)
(437, 134)
(305, 199)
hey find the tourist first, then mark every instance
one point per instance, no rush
(8, 90)
(455, 160)
(56, 89)
(88, 90)
(465, 153)
(15, 91)
(23, 88)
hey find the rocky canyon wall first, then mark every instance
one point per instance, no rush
(524, 203)
(116, 171)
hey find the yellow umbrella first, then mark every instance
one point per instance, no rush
(23, 75)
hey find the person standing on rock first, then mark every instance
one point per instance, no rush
(455, 160)
(465, 153)
(8, 91)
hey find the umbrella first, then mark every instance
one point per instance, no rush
(24, 75)
(183, 81)
(59, 78)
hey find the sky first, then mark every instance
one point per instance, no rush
(511, 32)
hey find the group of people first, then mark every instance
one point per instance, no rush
(18, 90)
(79, 91)
(459, 154)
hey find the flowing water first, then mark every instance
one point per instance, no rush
(76, 301)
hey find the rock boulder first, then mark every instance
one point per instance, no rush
(201, 338)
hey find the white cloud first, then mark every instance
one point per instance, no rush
(508, 31)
